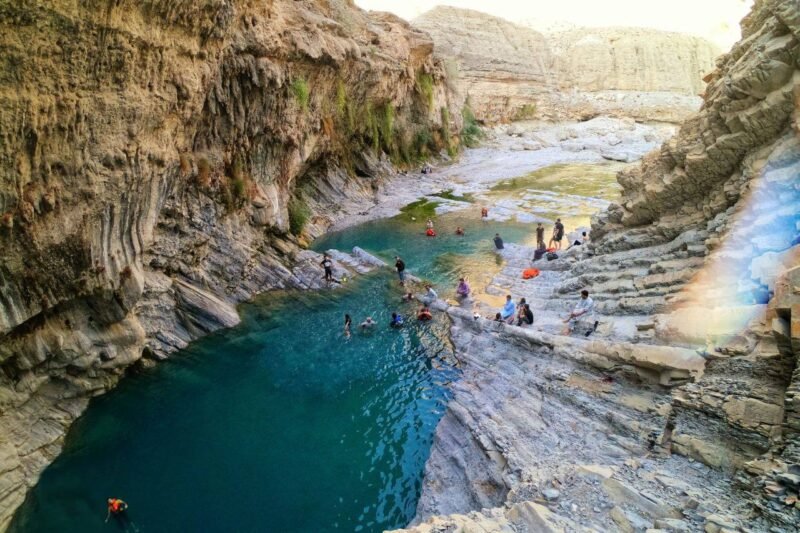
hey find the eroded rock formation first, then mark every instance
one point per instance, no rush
(509, 71)
(693, 365)
(155, 156)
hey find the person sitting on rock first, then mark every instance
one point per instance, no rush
(409, 297)
(525, 315)
(583, 309)
(430, 295)
(509, 310)
(498, 317)
(463, 290)
(579, 242)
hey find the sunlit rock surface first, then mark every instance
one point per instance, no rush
(511, 72)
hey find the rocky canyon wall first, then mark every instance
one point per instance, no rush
(158, 158)
(512, 72)
(680, 410)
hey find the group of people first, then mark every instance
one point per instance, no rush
(511, 312)
(519, 313)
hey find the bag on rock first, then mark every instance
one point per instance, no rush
(551, 255)
(538, 254)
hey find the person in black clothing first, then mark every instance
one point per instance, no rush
(558, 234)
(498, 242)
(401, 270)
(525, 315)
(327, 264)
(347, 323)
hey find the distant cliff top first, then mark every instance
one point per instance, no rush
(521, 66)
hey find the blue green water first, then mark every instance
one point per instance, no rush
(279, 424)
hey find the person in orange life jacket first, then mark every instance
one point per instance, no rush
(117, 508)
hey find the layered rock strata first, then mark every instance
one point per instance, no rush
(697, 261)
(156, 159)
(510, 72)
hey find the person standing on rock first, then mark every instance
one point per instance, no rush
(401, 269)
(558, 234)
(327, 264)
(498, 241)
(539, 236)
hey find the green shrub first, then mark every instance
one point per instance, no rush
(238, 190)
(299, 213)
(301, 93)
(387, 127)
(448, 145)
(471, 133)
(372, 129)
(341, 99)
(425, 87)
(525, 112)
(422, 142)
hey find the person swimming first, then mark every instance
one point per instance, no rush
(348, 322)
(459, 231)
(424, 314)
(118, 509)
(368, 323)
(397, 321)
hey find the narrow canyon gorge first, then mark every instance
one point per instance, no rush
(165, 161)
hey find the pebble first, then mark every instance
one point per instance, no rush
(551, 494)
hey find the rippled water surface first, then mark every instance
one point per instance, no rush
(280, 424)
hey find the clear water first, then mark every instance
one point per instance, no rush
(279, 424)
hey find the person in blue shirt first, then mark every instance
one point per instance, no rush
(509, 310)
(397, 321)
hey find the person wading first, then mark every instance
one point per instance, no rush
(401, 270)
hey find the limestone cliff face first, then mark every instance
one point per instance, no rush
(154, 157)
(693, 351)
(510, 71)
(724, 195)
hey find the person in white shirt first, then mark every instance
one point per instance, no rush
(430, 296)
(583, 309)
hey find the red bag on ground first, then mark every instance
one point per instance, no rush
(530, 273)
